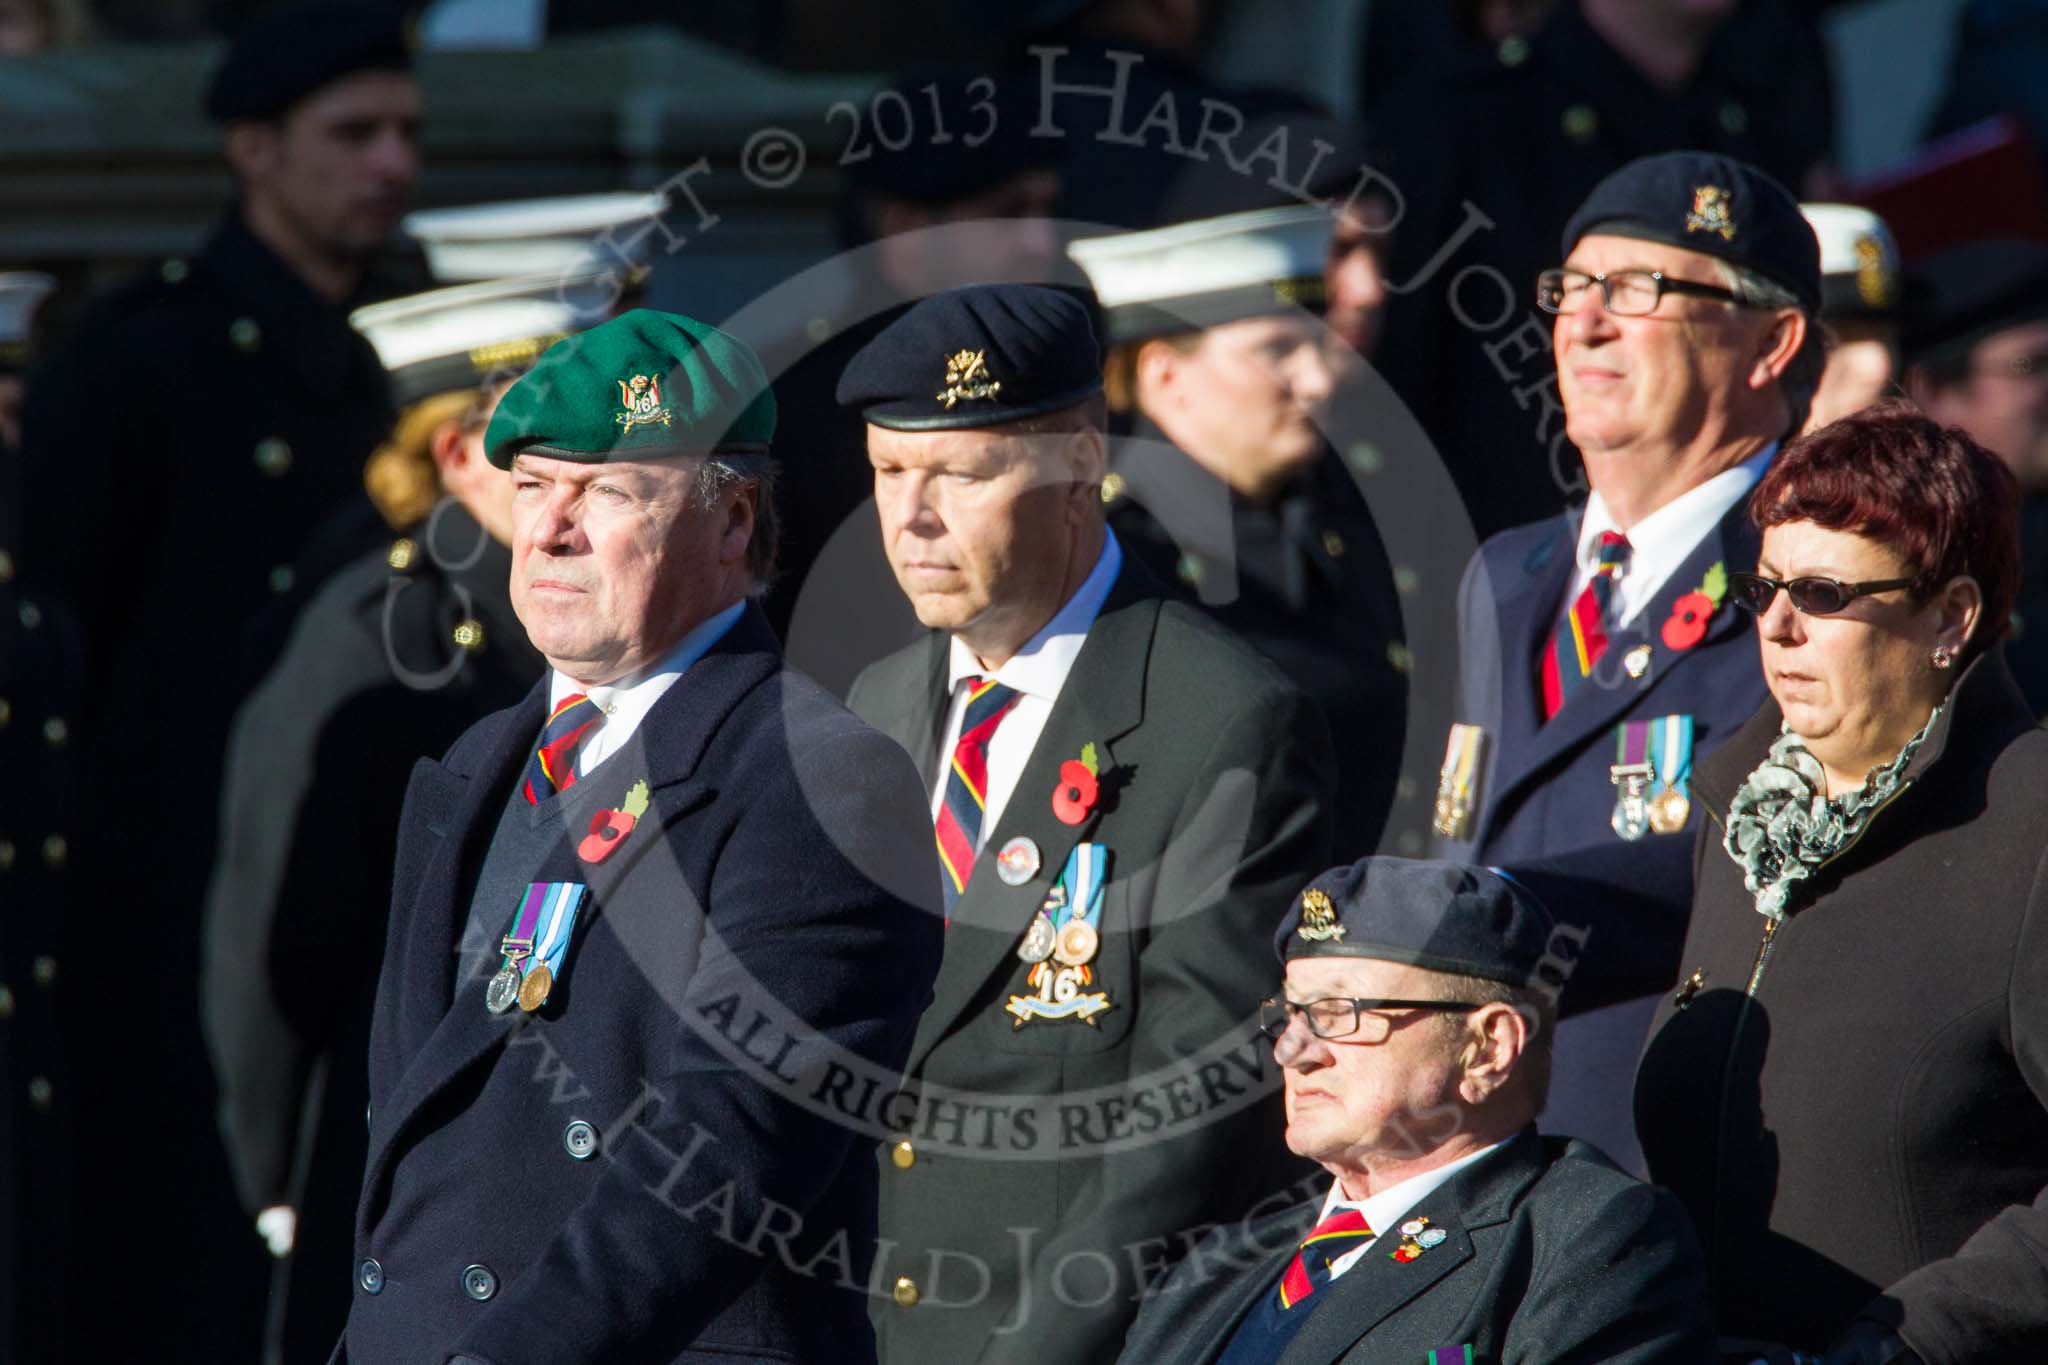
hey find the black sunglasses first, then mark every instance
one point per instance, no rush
(1810, 596)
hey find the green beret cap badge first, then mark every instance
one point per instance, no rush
(642, 386)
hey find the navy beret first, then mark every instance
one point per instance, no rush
(1712, 204)
(976, 357)
(1965, 293)
(295, 49)
(1445, 917)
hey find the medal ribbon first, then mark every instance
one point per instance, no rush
(1632, 742)
(562, 901)
(1671, 754)
(523, 924)
(1087, 870)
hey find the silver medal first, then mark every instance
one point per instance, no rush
(503, 992)
(1039, 940)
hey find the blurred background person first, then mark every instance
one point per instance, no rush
(22, 293)
(396, 656)
(1846, 1091)
(1221, 370)
(1862, 305)
(182, 447)
(1516, 116)
(30, 26)
(1977, 358)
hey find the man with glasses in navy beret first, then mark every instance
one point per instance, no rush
(1598, 650)
(1413, 1027)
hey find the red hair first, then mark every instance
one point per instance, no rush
(1944, 504)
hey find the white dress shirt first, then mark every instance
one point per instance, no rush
(1037, 671)
(626, 702)
(1660, 542)
(1385, 1210)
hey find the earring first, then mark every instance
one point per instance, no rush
(1943, 656)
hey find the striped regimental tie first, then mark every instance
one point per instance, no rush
(958, 827)
(1343, 1231)
(1580, 638)
(553, 765)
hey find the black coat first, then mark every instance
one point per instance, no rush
(1553, 1257)
(1863, 1129)
(371, 680)
(636, 1172)
(1054, 1155)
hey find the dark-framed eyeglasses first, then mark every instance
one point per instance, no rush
(1339, 1016)
(1626, 293)
(1811, 596)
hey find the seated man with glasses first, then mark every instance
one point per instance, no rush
(1599, 652)
(1413, 1032)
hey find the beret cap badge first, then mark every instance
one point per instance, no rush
(967, 377)
(1318, 917)
(640, 397)
(1711, 212)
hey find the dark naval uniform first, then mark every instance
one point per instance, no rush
(1548, 1253)
(394, 657)
(196, 431)
(39, 679)
(1305, 580)
(1544, 798)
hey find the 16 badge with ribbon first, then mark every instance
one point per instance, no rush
(1061, 944)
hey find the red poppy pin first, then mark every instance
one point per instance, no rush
(1078, 789)
(1690, 613)
(609, 828)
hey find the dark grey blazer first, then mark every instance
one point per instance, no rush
(1066, 1161)
(1554, 1256)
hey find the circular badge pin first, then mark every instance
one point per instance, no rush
(1430, 1237)
(1078, 944)
(1637, 661)
(1413, 1226)
(1039, 940)
(1018, 861)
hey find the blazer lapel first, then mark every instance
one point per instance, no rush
(1610, 693)
(1378, 1286)
(1102, 700)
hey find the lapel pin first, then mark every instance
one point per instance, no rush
(1637, 661)
(1018, 862)
(1075, 795)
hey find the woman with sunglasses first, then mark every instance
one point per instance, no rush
(1849, 1089)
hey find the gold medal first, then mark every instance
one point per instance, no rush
(533, 991)
(1668, 811)
(1078, 944)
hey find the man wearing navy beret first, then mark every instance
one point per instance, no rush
(638, 920)
(1123, 797)
(1414, 1026)
(1598, 653)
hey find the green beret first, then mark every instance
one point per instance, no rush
(642, 386)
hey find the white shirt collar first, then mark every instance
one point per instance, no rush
(1040, 668)
(1663, 540)
(627, 700)
(1385, 1210)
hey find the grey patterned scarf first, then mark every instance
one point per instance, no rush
(1782, 824)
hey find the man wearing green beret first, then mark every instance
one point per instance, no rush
(640, 920)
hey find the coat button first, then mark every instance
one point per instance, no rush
(281, 579)
(1580, 123)
(55, 732)
(370, 1276)
(55, 851)
(905, 1292)
(40, 1094)
(904, 1155)
(479, 1283)
(44, 970)
(273, 456)
(6, 1003)
(6, 854)
(469, 634)
(6, 567)
(6, 712)
(581, 1140)
(30, 615)
(244, 334)
(401, 553)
